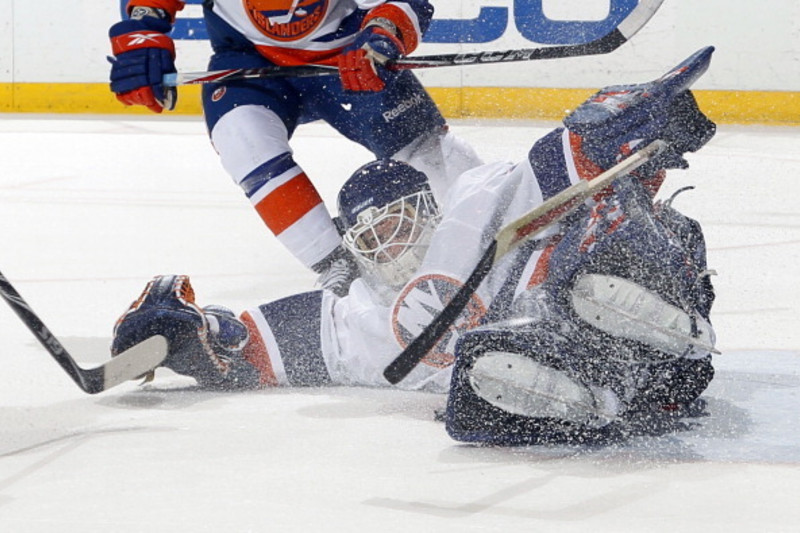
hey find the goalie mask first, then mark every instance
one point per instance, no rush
(390, 214)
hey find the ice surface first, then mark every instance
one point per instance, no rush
(90, 209)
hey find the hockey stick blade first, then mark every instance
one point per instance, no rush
(609, 42)
(509, 238)
(130, 364)
(133, 363)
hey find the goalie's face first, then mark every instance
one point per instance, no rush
(390, 242)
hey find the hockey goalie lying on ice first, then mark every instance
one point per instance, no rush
(598, 325)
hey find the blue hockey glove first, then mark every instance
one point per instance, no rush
(362, 63)
(205, 344)
(143, 54)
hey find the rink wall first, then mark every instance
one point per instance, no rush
(54, 60)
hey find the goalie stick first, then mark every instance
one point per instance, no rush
(609, 42)
(509, 238)
(128, 365)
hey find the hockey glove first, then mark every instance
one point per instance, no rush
(204, 343)
(362, 65)
(143, 54)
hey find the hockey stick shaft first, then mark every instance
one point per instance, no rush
(609, 42)
(128, 365)
(509, 238)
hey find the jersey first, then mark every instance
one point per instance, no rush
(319, 339)
(295, 32)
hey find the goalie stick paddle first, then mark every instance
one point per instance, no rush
(509, 238)
(609, 42)
(128, 365)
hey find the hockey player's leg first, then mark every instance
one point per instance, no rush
(625, 309)
(204, 343)
(689, 234)
(646, 278)
(401, 122)
(519, 384)
(618, 330)
(253, 144)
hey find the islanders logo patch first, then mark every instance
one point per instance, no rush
(420, 302)
(286, 20)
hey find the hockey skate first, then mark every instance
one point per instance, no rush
(337, 271)
(204, 343)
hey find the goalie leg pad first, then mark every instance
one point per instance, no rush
(524, 382)
(517, 384)
(622, 308)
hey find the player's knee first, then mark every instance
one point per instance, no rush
(247, 137)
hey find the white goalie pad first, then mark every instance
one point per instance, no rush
(624, 309)
(517, 384)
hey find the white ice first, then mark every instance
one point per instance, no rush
(91, 208)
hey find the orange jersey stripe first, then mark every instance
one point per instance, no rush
(255, 352)
(288, 203)
(289, 57)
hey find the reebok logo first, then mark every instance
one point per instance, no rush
(402, 107)
(141, 38)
